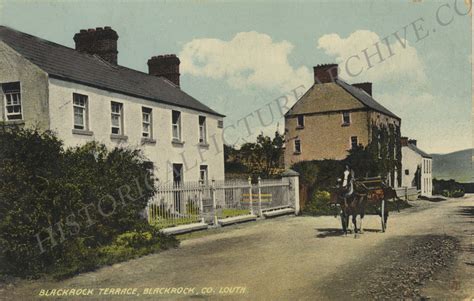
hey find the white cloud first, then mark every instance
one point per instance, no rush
(250, 59)
(404, 66)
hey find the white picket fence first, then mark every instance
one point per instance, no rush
(209, 202)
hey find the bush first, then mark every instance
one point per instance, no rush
(448, 188)
(319, 204)
(74, 200)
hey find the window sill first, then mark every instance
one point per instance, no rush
(148, 141)
(13, 122)
(345, 124)
(203, 145)
(82, 132)
(300, 127)
(118, 137)
(297, 153)
(177, 142)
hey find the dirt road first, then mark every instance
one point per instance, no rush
(427, 251)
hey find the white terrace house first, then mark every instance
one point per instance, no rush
(417, 168)
(82, 94)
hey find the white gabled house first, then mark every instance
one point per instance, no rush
(82, 94)
(417, 168)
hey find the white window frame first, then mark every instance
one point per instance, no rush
(118, 114)
(298, 123)
(84, 108)
(351, 146)
(295, 148)
(343, 119)
(147, 112)
(17, 96)
(176, 127)
(202, 129)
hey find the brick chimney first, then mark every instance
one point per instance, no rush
(166, 66)
(326, 73)
(367, 87)
(404, 141)
(99, 41)
(412, 142)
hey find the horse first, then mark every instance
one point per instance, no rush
(351, 205)
(356, 204)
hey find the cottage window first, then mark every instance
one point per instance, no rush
(354, 142)
(12, 94)
(346, 118)
(117, 118)
(220, 124)
(300, 121)
(146, 123)
(203, 175)
(176, 125)
(298, 146)
(407, 172)
(80, 108)
(202, 130)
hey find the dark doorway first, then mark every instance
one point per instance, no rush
(177, 181)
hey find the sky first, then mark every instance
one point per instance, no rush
(249, 60)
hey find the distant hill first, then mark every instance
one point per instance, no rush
(457, 166)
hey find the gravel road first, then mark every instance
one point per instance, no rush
(427, 252)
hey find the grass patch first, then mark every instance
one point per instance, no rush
(229, 212)
(162, 223)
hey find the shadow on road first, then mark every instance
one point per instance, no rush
(333, 232)
(466, 211)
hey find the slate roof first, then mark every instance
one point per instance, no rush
(365, 98)
(419, 151)
(68, 64)
(338, 90)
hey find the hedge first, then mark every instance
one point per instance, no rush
(60, 206)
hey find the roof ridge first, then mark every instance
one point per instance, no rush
(341, 83)
(69, 64)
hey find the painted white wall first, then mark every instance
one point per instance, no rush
(411, 160)
(33, 88)
(163, 152)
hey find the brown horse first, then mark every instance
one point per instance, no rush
(357, 203)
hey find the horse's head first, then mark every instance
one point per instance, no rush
(334, 196)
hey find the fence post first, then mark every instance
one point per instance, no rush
(214, 206)
(250, 195)
(259, 198)
(294, 188)
(201, 205)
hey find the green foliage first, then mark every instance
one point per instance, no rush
(322, 174)
(319, 204)
(84, 196)
(385, 152)
(261, 158)
(228, 212)
(448, 188)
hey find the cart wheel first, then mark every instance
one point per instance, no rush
(382, 211)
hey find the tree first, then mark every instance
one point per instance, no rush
(264, 156)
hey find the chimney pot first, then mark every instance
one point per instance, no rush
(166, 66)
(99, 42)
(367, 87)
(107, 27)
(326, 73)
